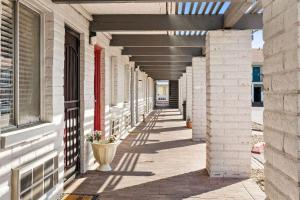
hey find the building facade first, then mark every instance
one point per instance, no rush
(257, 78)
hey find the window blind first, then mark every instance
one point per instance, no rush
(7, 65)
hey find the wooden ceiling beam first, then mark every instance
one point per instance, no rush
(106, 23)
(157, 41)
(161, 58)
(162, 51)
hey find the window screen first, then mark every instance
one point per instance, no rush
(27, 102)
(29, 66)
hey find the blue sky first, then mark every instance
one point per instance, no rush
(258, 41)
(203, 4)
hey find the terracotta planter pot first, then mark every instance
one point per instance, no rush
(189, 124)
(104, 154)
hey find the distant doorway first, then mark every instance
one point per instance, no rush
(257, 99)
(162, 93)
(257, 94)
(173, 94)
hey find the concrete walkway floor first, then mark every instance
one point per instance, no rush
(160, 161)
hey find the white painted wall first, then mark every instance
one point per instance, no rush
(48, 137)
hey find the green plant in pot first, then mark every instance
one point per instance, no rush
(104, 150)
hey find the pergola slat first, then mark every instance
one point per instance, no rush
(220, 7)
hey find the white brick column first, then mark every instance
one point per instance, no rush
(132, 94)
(180, 95)
(282, 99)
(199, 98)
(183, 91)
(228, 61)
(189, 92)
(183, 87)
(137, 93)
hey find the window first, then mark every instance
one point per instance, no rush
(113, 77)
(256, 73)
(20, 65)
(126, 83)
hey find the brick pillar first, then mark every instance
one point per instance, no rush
(179, 96)
(199, 99)
(282, 98)
(184, 87)
(137, 95)
(189, 92)
(132, 94)
(228, 65)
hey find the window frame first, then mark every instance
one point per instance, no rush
(16, 125)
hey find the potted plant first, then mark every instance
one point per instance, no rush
(104, 150)
(189, 123)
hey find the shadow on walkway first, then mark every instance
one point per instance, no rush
(175, 187)
(162, 167)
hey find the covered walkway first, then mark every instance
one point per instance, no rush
(158, 161)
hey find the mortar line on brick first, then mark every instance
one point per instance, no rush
(267, 164)
(284, 154)
(277, 190)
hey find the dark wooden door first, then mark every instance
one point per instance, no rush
(173, 94)
(72, 104)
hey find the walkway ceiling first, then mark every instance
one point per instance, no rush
(162, 36)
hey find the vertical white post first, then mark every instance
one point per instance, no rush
(228, 62)
(199, 98)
